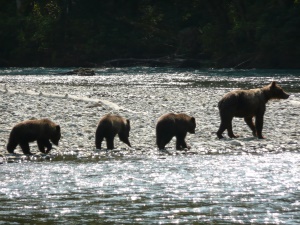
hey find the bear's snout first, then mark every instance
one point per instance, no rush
(286, 96)
(55, 142)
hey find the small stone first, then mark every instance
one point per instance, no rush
(236, 143)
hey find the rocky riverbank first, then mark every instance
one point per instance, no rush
(78, 109)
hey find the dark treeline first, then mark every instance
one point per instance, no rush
(218, 33)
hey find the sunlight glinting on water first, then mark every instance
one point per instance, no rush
(144, 76)
(220, 182)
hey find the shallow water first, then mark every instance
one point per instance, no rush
(215, 189)
(161, 77)
(219, 182)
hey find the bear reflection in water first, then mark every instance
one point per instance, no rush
(247, 104)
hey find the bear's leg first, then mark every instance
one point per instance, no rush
(48, 145)
(41, 146)
(25, 148)
(99, 139)
(259, 120)
(161, 144)
(162, 141)
(222, 128)
(250, 124)
(225, 123)
(124, 139)
(229, 130)
(180, 142)
(11, 146)
(110, 142)
(45, 143)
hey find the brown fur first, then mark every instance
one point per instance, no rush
(170, 125)
(108, 127)
(34, 130)
(247, 104)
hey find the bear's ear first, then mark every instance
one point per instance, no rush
(193, 119)
(273, 84)
(57, 128)
(128, 124)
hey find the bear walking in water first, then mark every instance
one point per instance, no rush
(170, 125)
(34, 130)
(247, 104)
(108, 127)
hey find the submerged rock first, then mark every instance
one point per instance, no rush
(80, 72)
(236, 143)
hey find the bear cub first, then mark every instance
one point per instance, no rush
(170, 125)
(247, 104)
(109, 126)
(27, 131)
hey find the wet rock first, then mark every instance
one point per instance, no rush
(80, 72)
(236, 143)
(98, 104)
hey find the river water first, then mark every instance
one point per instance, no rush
(206, 187)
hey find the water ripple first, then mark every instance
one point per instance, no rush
(247, 189)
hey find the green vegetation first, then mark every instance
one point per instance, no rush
(219, 33)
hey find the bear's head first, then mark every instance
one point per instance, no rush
(192, 125)
(276, 92)
(126, 128)
(55, 136)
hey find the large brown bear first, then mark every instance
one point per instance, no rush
(34, 130)
(247, 104)
(109, 126)
(170, 125)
